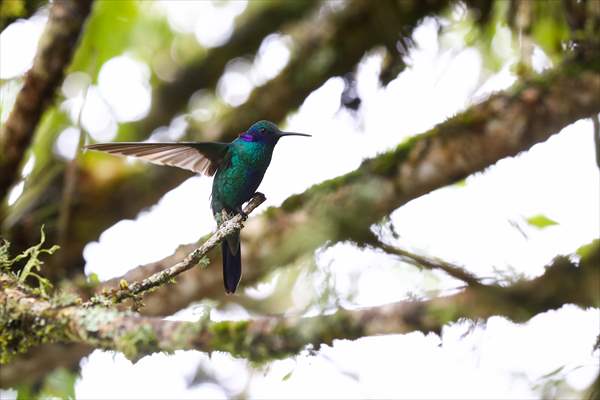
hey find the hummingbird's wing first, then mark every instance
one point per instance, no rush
(200, 157)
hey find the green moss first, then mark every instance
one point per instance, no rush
(235, 338)
(296, 201)
(138, 342)
(386, 164)
(31, 257)
(281, 339)
(184, 334)
(437, 315)
(229, 335)
(253, 344)
(204, 262)
(338, 325)
(20, 331)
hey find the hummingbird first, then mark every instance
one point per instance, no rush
(238, 168)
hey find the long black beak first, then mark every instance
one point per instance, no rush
(281, 134)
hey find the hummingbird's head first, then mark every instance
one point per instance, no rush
(265, 131)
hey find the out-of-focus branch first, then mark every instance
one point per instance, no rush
(21, 315)
(170, 98)
(324, 49)
(235, 224)
(54, 53)
(504, 125)
(32, 366)
(333, 46)
(430, 263)
(593, 391)
(596, 133)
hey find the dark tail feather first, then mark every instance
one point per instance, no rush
(232, 266)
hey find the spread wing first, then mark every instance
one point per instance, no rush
(200, 157)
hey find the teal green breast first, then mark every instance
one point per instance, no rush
(235, 184)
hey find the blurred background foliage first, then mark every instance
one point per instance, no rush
(182, 92)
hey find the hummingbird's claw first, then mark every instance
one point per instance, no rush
(242, 213)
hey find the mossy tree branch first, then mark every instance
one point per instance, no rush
(54, 53)
(27, 320)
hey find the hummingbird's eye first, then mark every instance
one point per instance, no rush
(262, 130)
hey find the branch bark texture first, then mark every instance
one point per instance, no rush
(54, 53)
(27, 320)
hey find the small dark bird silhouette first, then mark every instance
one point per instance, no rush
(238, 167)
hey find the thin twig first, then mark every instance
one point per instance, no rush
(430, 263)
(127, 290)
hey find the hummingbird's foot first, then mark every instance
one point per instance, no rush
(242, 213)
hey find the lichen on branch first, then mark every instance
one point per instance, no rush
(27, 320)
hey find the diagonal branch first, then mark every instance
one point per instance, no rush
(431, 263)
(504, 125)
(235, 224)
(56, 47)
(22, 314)
(170, 98)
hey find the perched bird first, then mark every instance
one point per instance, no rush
(238, 168)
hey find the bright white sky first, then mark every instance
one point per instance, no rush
(473, 225)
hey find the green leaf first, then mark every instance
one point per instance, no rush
(540, 221)
(287, 376)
